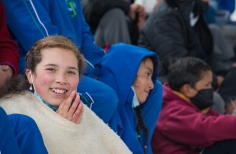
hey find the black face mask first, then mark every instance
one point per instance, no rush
(200, 7)
(203, 99)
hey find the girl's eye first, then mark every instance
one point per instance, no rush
(51, 69)
(71, 72)
(148, 74)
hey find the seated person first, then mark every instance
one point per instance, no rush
(55, 106)
(9, 55)
(187, 124)
(184, 33)
(31, 21)
(132, 72)
(114, 21)
(20, 134)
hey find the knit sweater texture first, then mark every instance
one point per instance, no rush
(91, 135)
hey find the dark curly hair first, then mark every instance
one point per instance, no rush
(186, 70)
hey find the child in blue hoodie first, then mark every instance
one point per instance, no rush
(132, 72)
(30, 21)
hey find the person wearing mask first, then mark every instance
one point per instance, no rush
(187, 124)
(177, 28)
(138, 90)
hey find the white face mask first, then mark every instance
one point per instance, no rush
(232, 102)
(135, 102)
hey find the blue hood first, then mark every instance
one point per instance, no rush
(118, 69)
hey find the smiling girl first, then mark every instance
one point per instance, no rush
(54, 67)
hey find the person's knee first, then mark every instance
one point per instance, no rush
(116, 13)
(113, 28)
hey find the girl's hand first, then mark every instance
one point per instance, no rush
(71, 108)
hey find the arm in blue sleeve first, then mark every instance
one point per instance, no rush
(29, 21)
(8, 142)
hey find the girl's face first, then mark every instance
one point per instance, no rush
(56, 76)
(143, 83)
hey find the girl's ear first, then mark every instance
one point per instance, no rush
(187, 90)
(29, 75)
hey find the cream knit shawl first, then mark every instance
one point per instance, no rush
(90, 136)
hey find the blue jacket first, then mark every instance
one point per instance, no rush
(30, 21)
(118, 69)
(226, 5)
(20, 134)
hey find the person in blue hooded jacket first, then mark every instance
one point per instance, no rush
(30, 21)
(132, 72)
